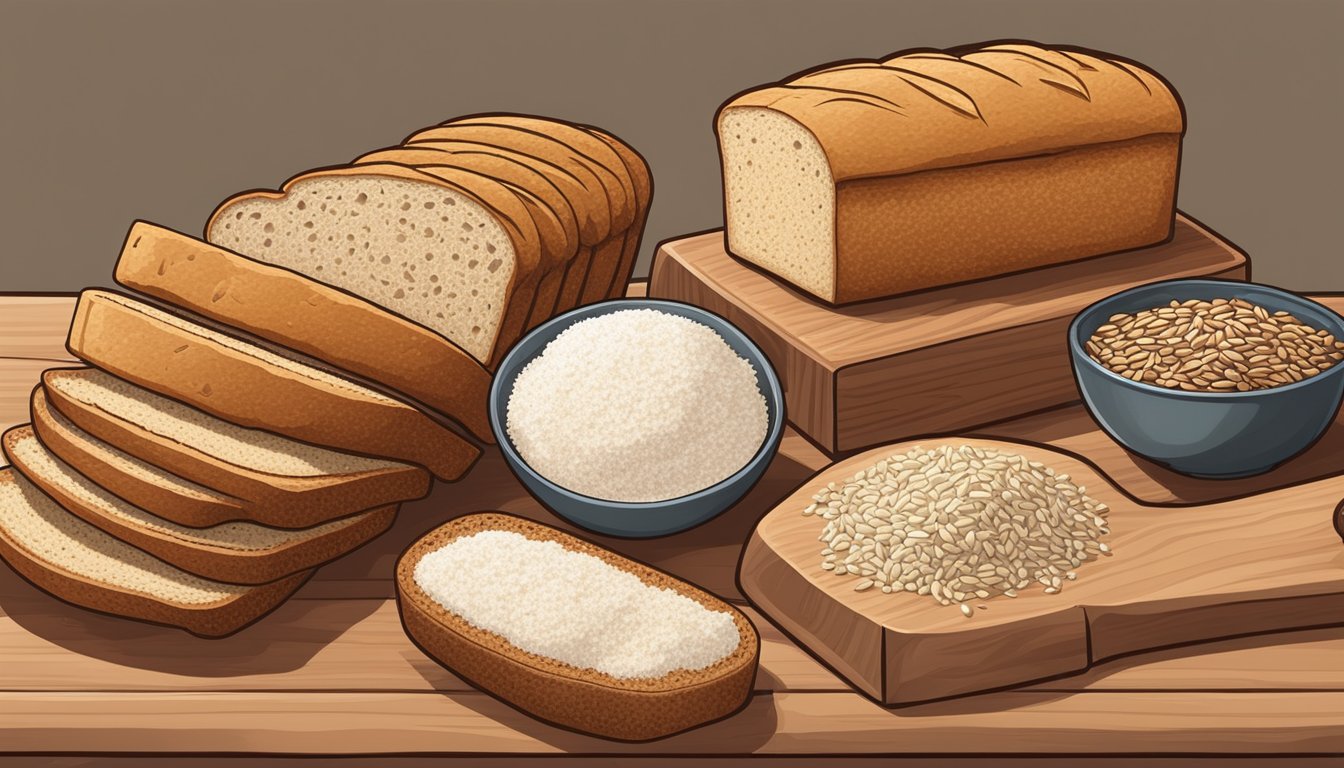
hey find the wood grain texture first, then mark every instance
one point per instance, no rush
(34, 327)
(1258, 564)
(339, 636)
(779, 724)
(937, 361)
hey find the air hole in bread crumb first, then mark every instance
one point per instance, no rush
(238, 215)
(269, 228)
(457, 257)
(429, 205)
(797, 145)
(428, 232)
(494, 265)
(322, 207)
(312, 238)
(350, 237)
(489, 247)
(255, 216)
(408, 277)
(386, 259)
(474, 293)
(401, 238)
(361, 198)
(429, 256)
(399, 294)
(472, 264)
(302, 205)
(433, 278)
(266, 242)
(307, 225)
(438, 289)
(466, 226)
(338, 260)
(402, 222)
(475, 329)
(449, 201)
(405, 206)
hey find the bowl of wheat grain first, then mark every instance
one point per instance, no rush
(1211, 378)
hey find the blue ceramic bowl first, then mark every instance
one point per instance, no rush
(637, 519)
(1208, 434)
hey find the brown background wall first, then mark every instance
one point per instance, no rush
(114, 110)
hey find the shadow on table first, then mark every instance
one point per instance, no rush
(283, 641)
(744, 730)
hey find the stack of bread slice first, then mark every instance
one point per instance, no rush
(285, 386)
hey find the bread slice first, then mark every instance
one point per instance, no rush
(234, 553)
(460, 258)
(535, 135)
(638, 170)
(272, 480)
(326, 323)
(251, 386)
(552, 212)
(76, 562)
(632, 709)
(575, 183)
(139, 482)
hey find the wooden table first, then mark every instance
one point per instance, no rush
(331, 679)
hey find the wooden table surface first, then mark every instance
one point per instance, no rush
(331, 679)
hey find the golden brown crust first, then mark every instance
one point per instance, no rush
(921, 111)
(919, 223)
(638, 170)
(245, 390)
(212, 620)
(231, 566)
(295, 311)
(581, 699)
(282, 502)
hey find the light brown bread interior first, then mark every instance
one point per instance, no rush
(432, 254)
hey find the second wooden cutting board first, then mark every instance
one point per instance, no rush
(1262, 563)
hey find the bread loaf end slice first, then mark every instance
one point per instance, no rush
(636, 709)
(80, 564)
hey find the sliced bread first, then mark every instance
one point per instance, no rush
(551, 211)
(80, 564)
(137, 481)
(583, 699)
(255, 387)
(638, 170)
(458, 258)
(234, 553)
(554, 145)
(580, 140)
(274, 480)
(327, 323)
(576, 175)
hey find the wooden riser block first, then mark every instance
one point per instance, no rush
(936, 361)
(1263, 563)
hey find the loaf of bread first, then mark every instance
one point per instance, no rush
(873, 178)
(477, 229)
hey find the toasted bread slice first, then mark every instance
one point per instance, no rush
(586, 700)
(235, 553)
(292, 310)
(272, 480)
(80, 564)
(254, 387)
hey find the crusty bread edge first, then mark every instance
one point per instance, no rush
(389, 347)
(583, 700)
(211, 621)
(135, 346)
(276, 500)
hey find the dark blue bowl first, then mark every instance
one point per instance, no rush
(1208, 434)
(637, 519)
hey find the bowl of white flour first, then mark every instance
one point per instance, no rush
(637, 417)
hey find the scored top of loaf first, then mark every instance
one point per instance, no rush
(925, 109)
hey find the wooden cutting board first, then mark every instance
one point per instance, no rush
(938, 361)
(1262, 563)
